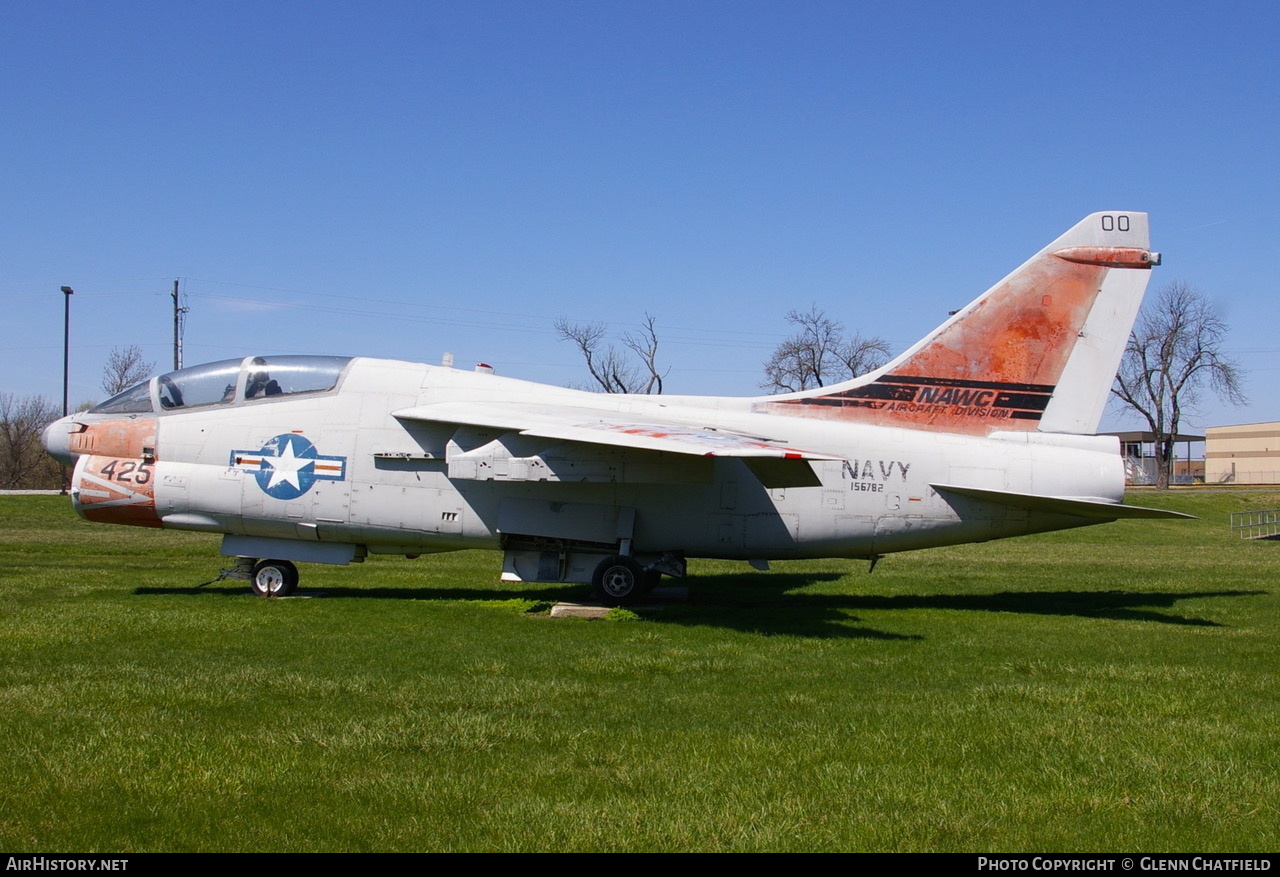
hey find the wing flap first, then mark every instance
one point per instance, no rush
(1094, 509)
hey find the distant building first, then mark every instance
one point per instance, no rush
(1137, 448)
(1245, 454)
(1188, 471)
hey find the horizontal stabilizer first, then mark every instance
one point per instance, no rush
(1094, 509)
(615, 429)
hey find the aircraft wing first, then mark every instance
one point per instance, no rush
(1058, 505)
(592, 426)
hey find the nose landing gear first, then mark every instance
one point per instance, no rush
(274, 578)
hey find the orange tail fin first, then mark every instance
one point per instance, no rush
(1039, 350)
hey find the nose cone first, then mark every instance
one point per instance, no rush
(56, 439)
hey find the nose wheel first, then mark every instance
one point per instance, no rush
(274, 578)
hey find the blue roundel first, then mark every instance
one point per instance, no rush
(288, 465)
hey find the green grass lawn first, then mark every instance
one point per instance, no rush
(1111, 688)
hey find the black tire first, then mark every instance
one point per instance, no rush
(274, 578)
(618, 581)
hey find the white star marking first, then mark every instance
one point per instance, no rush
(285, 467)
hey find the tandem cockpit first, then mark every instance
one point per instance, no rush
(229, 382)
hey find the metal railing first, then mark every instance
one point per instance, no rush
(1256, 525)
(1267, 476)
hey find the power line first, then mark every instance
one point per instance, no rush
(437, 306)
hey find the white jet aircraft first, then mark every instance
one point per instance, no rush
(982, 430)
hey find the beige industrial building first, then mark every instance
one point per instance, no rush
(1248, 453)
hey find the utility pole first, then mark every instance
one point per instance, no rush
(177, 329)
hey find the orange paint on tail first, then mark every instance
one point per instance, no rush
(995, 366)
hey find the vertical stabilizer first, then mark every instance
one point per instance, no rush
(1039, 350)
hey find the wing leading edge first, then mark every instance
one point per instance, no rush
(591, 426)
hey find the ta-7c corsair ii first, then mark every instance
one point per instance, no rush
(982, 430)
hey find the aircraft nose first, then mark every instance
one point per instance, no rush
(56, 439)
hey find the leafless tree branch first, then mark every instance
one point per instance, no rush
(125, 367)
(819, 353)
(1174, 352)
(23, 462)
(611, 368)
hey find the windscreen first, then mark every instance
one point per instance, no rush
(135, 400)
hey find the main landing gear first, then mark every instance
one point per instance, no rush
(619, 580)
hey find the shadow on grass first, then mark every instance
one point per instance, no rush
(1118, 605)
(732, 590)
(788, 614)
(551, 593)
(775, 604)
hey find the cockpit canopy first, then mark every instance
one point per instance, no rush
(229, 382)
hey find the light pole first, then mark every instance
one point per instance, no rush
(67, 292)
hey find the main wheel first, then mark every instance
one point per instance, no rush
(618, 580)
(274, 578)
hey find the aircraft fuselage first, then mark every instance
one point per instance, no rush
(337, 468)
(981, 430)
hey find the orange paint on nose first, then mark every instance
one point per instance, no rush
(114, 479)
(116, 438)
(115, 490)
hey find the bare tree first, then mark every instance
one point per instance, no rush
(611, 368)
(125, 367)
(1174, 351)
(820, 353)
(23, 462)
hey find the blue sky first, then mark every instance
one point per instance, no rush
(405, 179)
